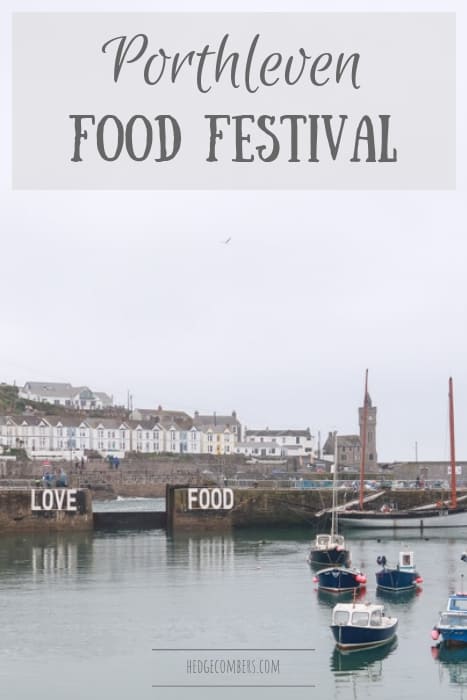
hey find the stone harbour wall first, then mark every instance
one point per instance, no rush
(45, 510)
(257, 507)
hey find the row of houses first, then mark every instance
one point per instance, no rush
(155, 432)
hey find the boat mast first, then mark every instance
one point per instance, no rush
(334, 493)
(453, 449)
(363, 447)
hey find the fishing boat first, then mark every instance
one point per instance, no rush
(329, 549)
(451, 628)
(360, 625)
(440, 514)
(339, 579)
(402, 577)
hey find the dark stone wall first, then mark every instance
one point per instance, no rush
(257, 507)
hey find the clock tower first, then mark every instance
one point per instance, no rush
(371, 457)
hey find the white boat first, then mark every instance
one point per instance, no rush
(452, 625)
(406, 519)
(441, 515)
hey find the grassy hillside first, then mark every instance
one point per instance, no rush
(11, 404)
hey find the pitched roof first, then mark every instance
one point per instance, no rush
(49, 388)
(279, 433)
(214, 420)
(102, 396)
(111, 423)
(181, 419)
(348, 441)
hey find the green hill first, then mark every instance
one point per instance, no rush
(12, 404)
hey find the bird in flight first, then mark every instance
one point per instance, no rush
(227, 240)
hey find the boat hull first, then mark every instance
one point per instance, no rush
(415, 520)
(453, 637)
(329, 557)
(350, 637)
(338, 580)
(396, 580)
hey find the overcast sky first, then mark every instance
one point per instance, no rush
(125, 290)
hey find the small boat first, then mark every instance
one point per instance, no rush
(360, 625)
(338, 579)
(451, 628)
(402, 577)
(329, 549)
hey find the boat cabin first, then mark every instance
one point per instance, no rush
(406, 561)
(358, 615)
(329, 542)
(457, 602)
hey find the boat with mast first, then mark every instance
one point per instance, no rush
(441, 514)
(329, 549)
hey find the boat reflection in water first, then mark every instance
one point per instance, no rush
(399, 597)
(370, 661)
(329, 599)
(453, 660)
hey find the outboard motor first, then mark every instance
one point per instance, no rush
(382, 560)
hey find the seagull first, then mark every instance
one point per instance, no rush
(227, 240)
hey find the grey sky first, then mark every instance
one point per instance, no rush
(136, 291)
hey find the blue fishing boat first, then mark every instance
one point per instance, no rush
(451, 628)
(402, 577)
(360, 625)
(339, 579)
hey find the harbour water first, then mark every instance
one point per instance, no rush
(89, 615)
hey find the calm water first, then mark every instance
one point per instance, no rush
(81, 615)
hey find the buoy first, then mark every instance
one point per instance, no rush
(435, 634)
(435, 652)
(360, 578)
(419, 579)
(315, 579)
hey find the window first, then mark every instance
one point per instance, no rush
(341, 617)
(360, 618)
(376, 617)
